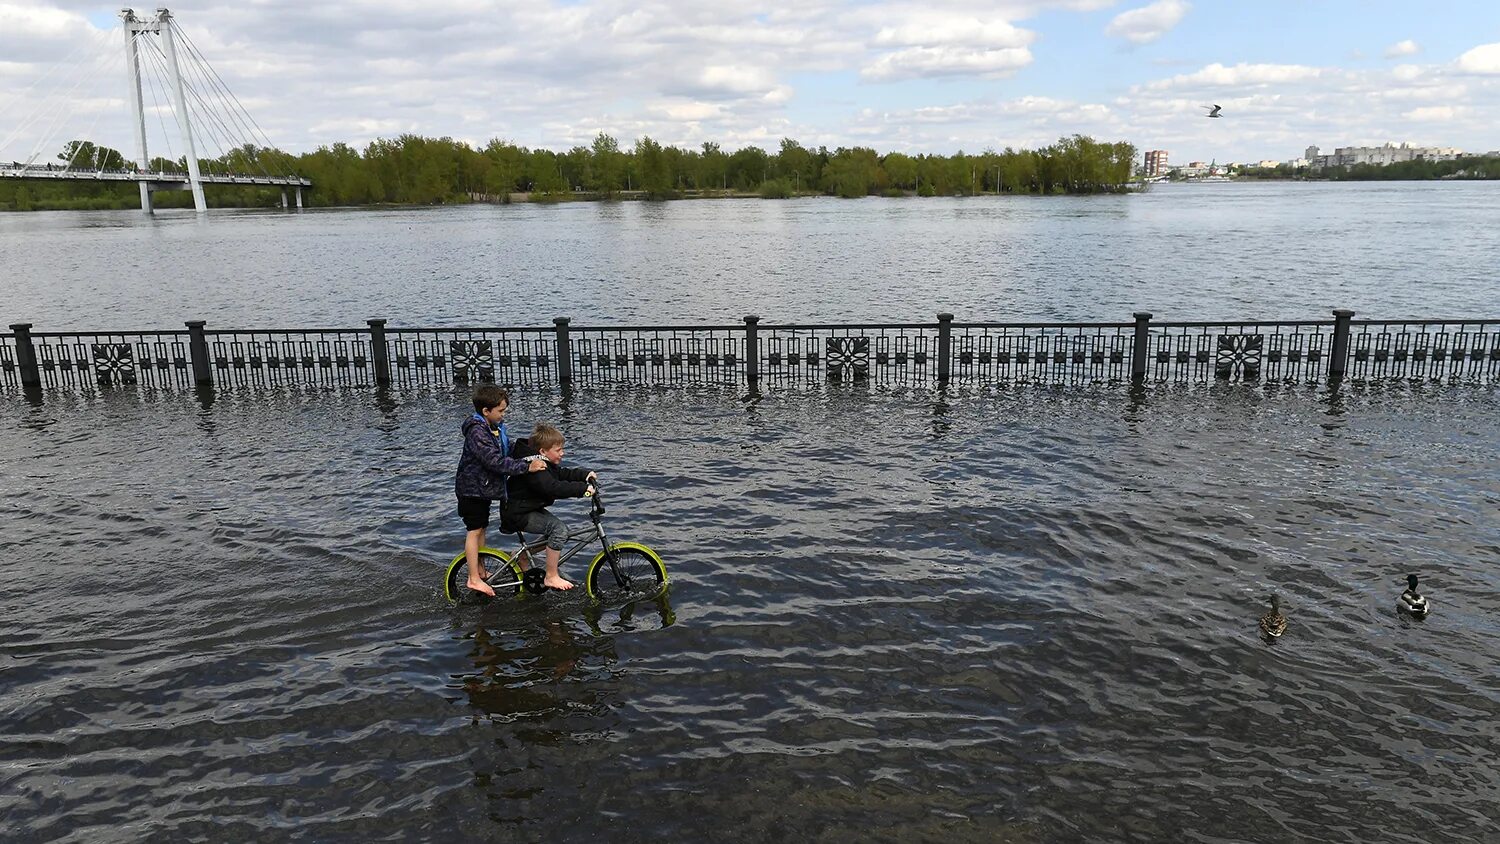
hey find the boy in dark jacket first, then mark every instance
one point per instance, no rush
(526, 507)
(481, 473)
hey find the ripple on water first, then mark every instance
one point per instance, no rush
(1020, 616)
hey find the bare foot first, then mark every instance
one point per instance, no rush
(556, 582)
(481, 587)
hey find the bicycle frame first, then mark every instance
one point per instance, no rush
(580, 537)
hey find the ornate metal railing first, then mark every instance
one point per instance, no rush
(1427, 349)
(120, 358)
(712, 354)
(755, 355)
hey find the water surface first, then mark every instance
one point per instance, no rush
(1277, 250)
(1024, 615)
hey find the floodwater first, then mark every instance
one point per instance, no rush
(1023, 615)
(1014, 614)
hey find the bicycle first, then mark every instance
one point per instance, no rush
(620, 569)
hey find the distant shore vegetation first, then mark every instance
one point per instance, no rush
(415, 170)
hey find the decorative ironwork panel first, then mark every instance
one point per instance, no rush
(505, 356)
(882, 354)
(1060, 354)
(473, 360)
(848, 358)
(1424, 349)
(114, 363)
(1238, 351)
(110, 359)
(1239, 356)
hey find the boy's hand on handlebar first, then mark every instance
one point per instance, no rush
(589, 493)
(593, 477)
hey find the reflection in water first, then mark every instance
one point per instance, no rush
(514, 671)
(623, 618)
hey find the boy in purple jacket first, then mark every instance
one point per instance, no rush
(481, 473)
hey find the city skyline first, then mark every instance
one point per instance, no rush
(936, 77)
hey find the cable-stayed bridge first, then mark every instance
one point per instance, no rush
(160, 59)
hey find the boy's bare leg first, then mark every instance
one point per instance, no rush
(553, 579)
(523, 559)
(472, 543)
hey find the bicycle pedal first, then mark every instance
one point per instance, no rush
(533, 581)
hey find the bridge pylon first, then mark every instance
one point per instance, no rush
(162, 26)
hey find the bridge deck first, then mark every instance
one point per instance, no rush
(66, 175)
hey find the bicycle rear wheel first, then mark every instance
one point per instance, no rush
(637, 572)
(497, 563)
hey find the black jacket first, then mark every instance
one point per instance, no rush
(535, 490)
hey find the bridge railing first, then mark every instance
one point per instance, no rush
(754, 354)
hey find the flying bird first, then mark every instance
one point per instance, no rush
(1213, 112)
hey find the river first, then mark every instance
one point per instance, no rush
(1016, 613)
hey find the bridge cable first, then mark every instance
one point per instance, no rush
(60, 111)
(228, 141)
(193, 48)
(240, 134)
(63, 108)
(25, 95)
(63, 113)
(205, 162)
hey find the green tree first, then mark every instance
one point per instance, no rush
(608, 166)
(655, 175)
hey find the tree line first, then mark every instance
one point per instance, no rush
(416, 170)
(1467, 167)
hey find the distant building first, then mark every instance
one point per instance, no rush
(1156, 162)
(1268, 164)
(1381, 156)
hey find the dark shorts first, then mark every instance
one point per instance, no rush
(474, 511)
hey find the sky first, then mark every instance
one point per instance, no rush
(916, 77)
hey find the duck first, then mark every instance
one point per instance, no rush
(1273, 623)
(1412, 602)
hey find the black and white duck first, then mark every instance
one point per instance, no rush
(1412, 602)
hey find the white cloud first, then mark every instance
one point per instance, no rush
(1240, 75)
(553, 73)
(947, 61)
(1402, 48)
(1484, 59)
(1148, 23)
(932, 30)
(1436, 114)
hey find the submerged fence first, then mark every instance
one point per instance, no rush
(756, 355)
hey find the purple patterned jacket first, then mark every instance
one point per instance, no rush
(483, 466)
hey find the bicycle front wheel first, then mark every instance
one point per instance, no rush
(628, 570)
(497, 563)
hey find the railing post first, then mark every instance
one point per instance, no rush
(752, 350)
(564, 351)
(198, 351)
(1338, 356)
(26, 356)
(379, 353)
(1138, 349)
(945, 348)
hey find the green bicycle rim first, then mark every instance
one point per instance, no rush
(462, 560)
